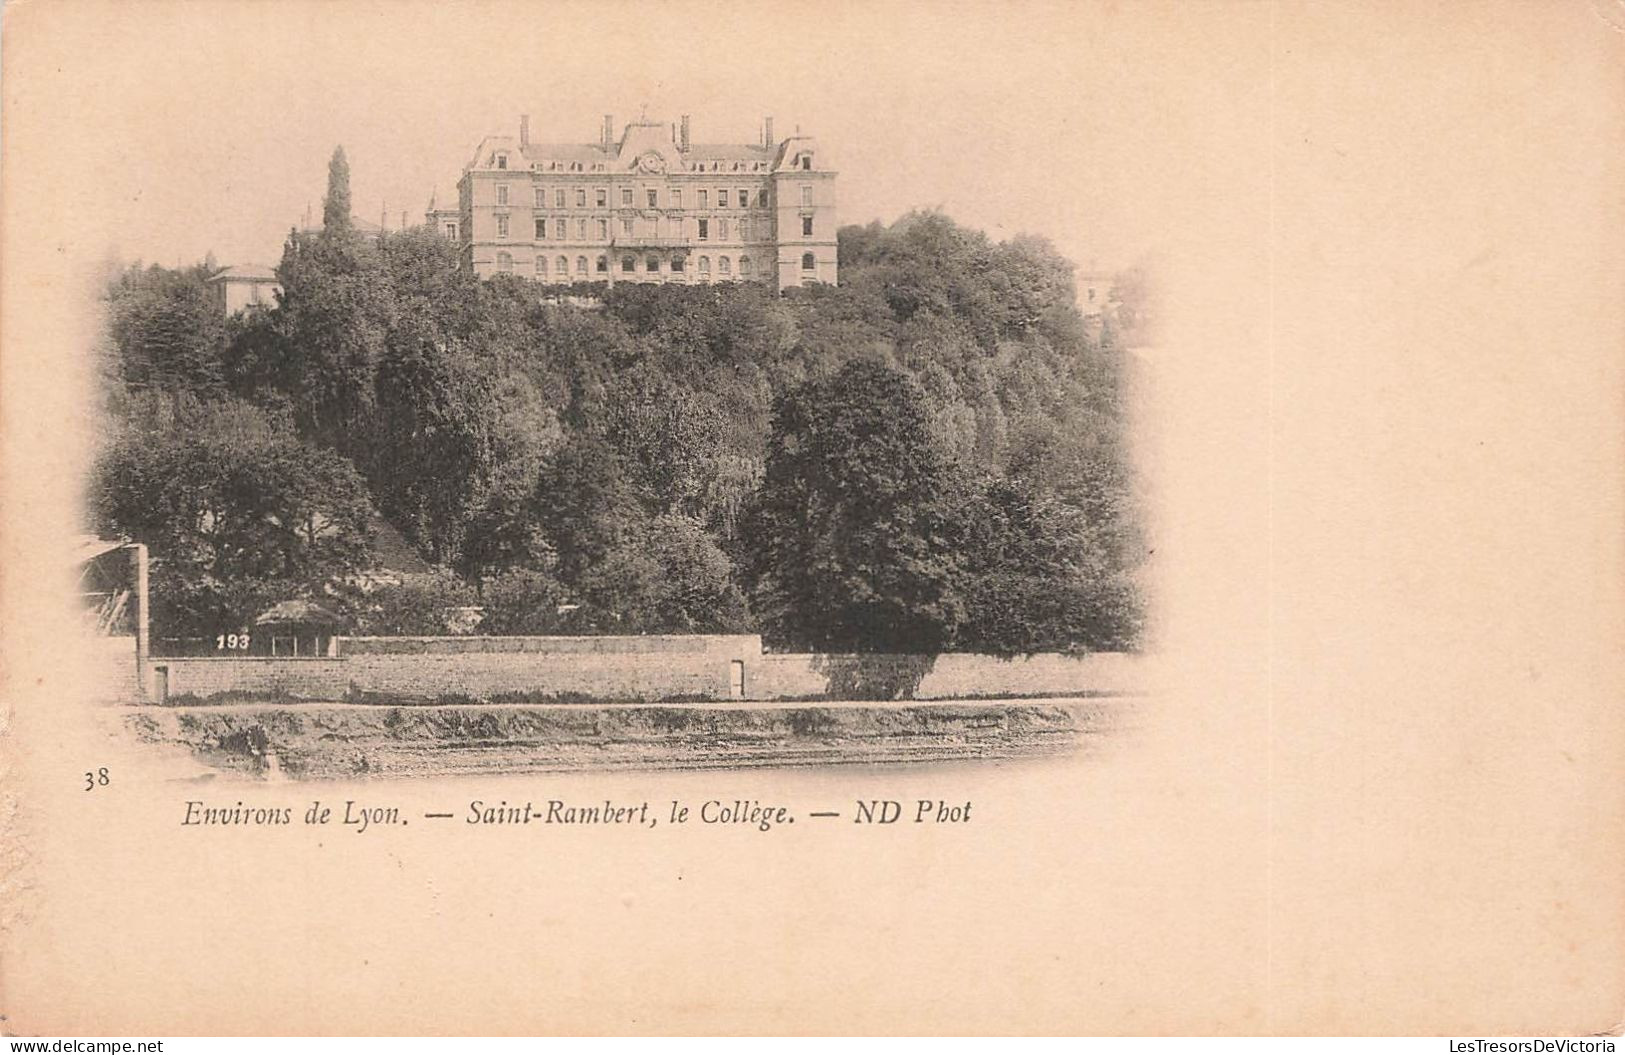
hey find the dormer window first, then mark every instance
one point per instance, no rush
(502, 161)
(806, 162)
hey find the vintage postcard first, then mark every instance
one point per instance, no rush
(905, 518)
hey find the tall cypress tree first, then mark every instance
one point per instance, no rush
(336, 206)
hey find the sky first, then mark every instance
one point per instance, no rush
(208, 127)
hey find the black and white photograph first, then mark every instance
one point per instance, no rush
(618, 451)
(918, 519)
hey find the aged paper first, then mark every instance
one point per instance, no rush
(1377, 787)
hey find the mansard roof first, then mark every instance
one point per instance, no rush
(637, 138)
(730, 152)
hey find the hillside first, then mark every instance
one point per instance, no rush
(927, 456)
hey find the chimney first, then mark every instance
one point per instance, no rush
(609, 130)
(682, 141)
(524, 131)
(767, 133)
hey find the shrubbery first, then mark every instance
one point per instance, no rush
(927, 456)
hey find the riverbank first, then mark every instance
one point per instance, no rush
(342, 741)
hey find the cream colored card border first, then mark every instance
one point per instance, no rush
(1382, 791)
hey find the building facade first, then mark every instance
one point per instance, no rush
(649, 206)
(237, 287)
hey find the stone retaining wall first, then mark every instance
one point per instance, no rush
(701, 667)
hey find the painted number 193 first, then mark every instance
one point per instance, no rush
(231, 642)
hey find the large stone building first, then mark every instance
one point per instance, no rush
(650, 206)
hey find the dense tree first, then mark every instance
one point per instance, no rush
(336, 205)
(524, 601)
(235, 512)
(585, 505)
(868, 458)
(167, 333)
(669, 578)
(851, 540)
(422, 606)
(1037, 578)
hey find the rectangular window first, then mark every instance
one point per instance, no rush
(677, 265)
(581, 230)
(806, 195)
(744, 198)
(581, 197)
(502, 194)
(806, 226)
(502, 226)
(654, 198)
(541, 227)
(558, 198)
(451, 231)
(541, 198)
(626, 225)
(626, 195)
(761, 198)
(603, 230)
(558, 228)
(744, 230)
(677, 197)
(722, 199)
(705, 199)
(652, 264)
(628, 265)
(705, 228)
(603, 197)
(722, 229)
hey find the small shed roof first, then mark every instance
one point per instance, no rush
(285, 612)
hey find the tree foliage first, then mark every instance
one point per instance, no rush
(336, 205)
(852, 542)
(237, 513)
(929, 455)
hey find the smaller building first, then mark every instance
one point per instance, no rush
(296, 628)
(1095, 292)
(241, 285)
